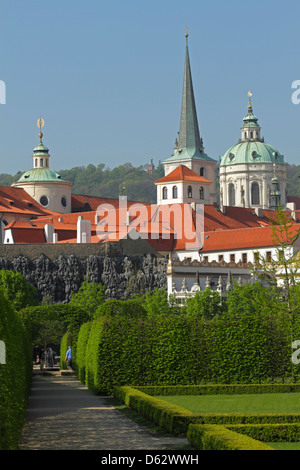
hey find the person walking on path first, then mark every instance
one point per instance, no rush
(69, 358)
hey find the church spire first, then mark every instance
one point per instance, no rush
(189, 136)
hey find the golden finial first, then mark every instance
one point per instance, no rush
(250, 94)
(40, 124)
(186, 32)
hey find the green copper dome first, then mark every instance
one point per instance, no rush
(41, 149)
(40, 174)
(251, 148)
(251, 152)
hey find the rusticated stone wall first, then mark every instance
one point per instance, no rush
(60, 272)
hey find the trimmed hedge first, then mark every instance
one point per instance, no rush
(82, 341)
(181, 349)
(215, 389)
(214, 437)
(178, 419)
(15, 375)
(284, 432)
(160, 412)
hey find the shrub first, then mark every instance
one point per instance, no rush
(82, 341)
(17, 289)
(15, 375)
(214, 437)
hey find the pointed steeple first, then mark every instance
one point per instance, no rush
(189, 135)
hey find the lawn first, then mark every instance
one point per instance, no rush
(258, 403)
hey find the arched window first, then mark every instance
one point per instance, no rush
(231, 195)
(190, 192)
(165, 192)
(255, 194)
(36, 162)
(41, 162)
(251, 135)
(202, 171)
(201, 192)
(245, 135)
(175, 192)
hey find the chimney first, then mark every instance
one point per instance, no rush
(259, 212)
(83, 230)
(49, 231)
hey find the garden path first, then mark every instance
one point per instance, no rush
(63, 414)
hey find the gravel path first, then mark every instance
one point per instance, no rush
(63, 414)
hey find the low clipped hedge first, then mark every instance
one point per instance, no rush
(219, 389)
(15, 375)
(160, 412)
(215, 437)
(177, 420)
(279, 432)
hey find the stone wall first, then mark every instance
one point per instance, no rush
(60, 271)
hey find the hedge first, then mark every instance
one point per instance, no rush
(216, 389)
(160, 412)
(284, 432)
(180, 350)
(15, 375)
(83, 337)
(213, 437)
(177, 420)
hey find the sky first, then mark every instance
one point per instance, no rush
(107, 76)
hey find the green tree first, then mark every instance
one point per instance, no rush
(281, 272)
(17, 289)
(206, 303)
(89, 296)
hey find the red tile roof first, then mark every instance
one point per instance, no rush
(17, 201)
(182, 173)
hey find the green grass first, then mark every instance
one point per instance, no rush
(260, 403)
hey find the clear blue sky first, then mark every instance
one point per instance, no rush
(107, 77)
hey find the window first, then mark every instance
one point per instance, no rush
(231, 194)
(165, 192)
(44, 201)
(255, 194)
(244, 258)
(201, 192)
(205, 258)
(175, 192)
(221, 257)
(256, 258)
(64, 201)
(251, 135)
(36, 162)
(245, 135)
(41, 162)
(269, 256)
(190, 192)
(232, 258)
(202, 171)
